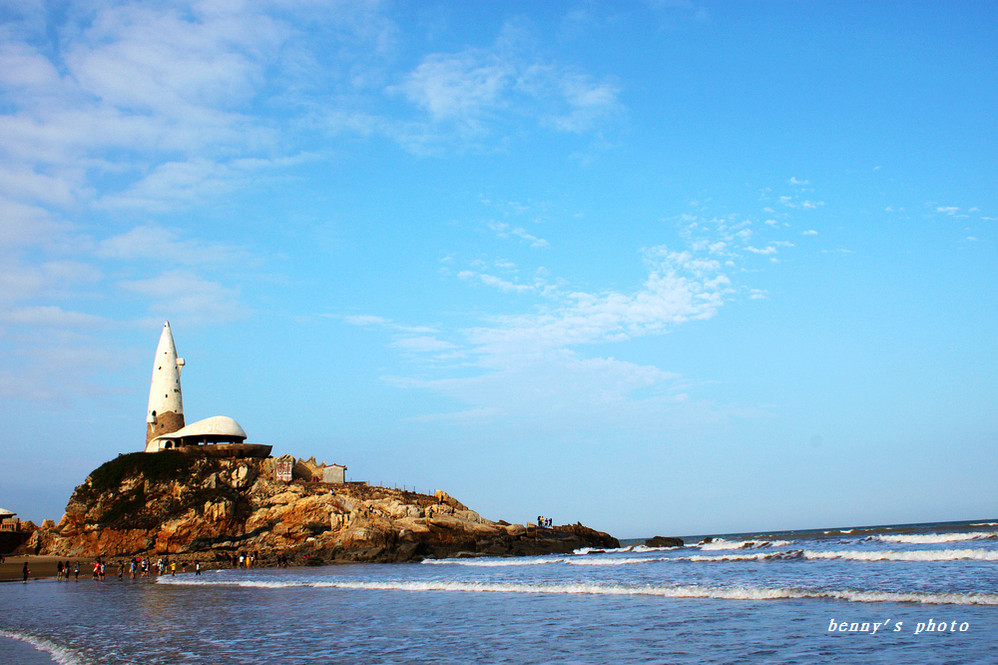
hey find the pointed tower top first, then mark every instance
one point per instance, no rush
(165, 412)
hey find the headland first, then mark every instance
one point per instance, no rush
(193, 507)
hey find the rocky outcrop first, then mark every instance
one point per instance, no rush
(168, 503)
(664, 541)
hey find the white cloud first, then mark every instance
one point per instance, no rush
(51, 316)
(679, 288)
(479, 91)
(557, 388)
(504, 230)
(165, 245)
(462, 86)
(421, 344)
(493, 281)
(183, 294)
(366, 320)
(26, 225)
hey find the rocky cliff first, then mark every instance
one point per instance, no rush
(177, 504)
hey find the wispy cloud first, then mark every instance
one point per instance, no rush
(494, 281)
(51, 316)
(167, 245)
(555, 341)
(678, 288)
(182, 293)
(470, 94)
(503, 230)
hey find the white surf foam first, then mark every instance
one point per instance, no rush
(60, 654)
(907, 555)
(853, 555)
(611, 550)
(932, 538)
(723, 593)
(611, 561)
(493, 563)
(721, 544)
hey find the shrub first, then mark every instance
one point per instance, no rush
(166, 464)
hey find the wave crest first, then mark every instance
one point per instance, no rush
(708, 592)
(932, 538)
(60, 654)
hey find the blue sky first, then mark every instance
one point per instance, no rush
(660, 267)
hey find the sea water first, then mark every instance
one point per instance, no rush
(901, 594)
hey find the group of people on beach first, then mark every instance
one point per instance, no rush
(162, 566)
(64, 570)
(243, 560)
(68, 568)
(137, 567)
(143, 566)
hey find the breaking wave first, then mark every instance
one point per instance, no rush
(856, 555)
(572, 561)
(60, 654)
(708, 592)
(931, 538)
(967, 554)
(493, 563)
(722, 544)
(611, 562)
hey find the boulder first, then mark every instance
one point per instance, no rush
(664, 541)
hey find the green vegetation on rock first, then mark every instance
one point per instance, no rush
(165, 465)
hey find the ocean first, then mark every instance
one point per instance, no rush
(925, 593)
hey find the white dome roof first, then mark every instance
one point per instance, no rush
(214, 426)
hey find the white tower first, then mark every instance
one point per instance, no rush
(165, 413)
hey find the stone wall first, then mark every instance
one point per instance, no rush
(166, 422)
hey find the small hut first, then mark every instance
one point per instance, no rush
(9, 521)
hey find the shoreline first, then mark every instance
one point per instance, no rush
(44, 567)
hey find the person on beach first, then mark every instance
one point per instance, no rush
(197, 568)
(173, 568)
(76, 571)
(25, 572)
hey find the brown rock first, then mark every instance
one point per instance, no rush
(159, 504)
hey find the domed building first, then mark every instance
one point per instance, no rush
(218, 436)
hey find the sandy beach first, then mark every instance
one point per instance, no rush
(46, 567)
(40, 567)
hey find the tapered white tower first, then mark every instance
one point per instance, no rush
(166, 405)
